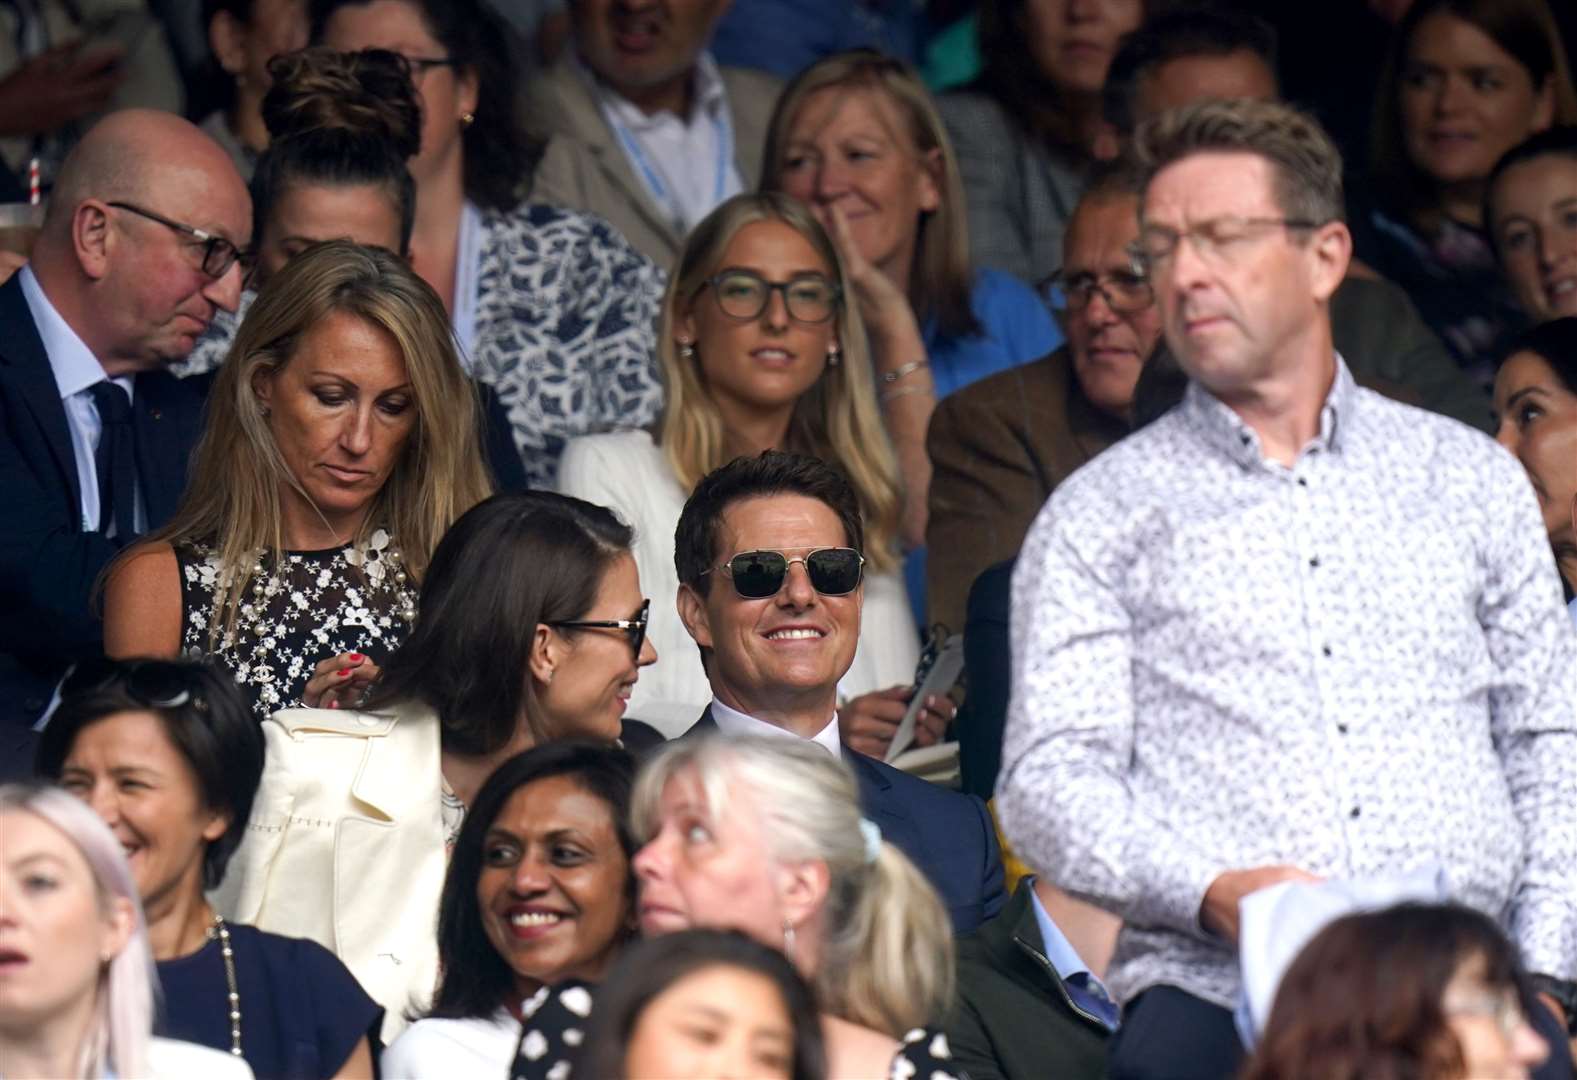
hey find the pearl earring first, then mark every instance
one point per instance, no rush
(834, 358)
(686, 350)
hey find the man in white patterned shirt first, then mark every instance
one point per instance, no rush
(1290, 630)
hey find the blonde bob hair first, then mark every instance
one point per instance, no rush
(235, 496)
(836, 420)
(941, 281)
(887, 945)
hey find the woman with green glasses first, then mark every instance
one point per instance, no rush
(760, 349)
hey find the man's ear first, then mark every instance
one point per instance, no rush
(92, 238)
(693, 613)
(1330, 254)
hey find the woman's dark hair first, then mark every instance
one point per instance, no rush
(1556, 343)
(509, 563)
(1551, 142)
(340, 119)
(205, 717)
(649, 967)
(476, 980)
(1362, 1001)
(499, 155)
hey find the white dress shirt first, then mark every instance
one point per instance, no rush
(733, 722)
(76, 370)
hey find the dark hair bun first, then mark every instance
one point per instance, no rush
(320, 92)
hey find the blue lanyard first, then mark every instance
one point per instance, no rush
(647, 169)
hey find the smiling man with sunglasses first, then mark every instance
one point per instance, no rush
(140, 247)
(771, 586)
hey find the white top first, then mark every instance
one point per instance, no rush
(733, 722)
(175, 1059)
(445, 1048)
(626, 471)
(76, 369)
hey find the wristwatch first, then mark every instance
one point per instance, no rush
(1564, 992)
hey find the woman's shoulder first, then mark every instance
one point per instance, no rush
(445, 1047)
(541, 230)
(629, 446)
(300, 969)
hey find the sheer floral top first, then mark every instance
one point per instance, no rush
(319, 604)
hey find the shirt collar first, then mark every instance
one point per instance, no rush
(1226, 429)
(733, 722)
(710, 95)
(74, 365)
(1063, 956)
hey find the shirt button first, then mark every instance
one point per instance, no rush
(1355, 812)
(1302, 482)
(1341, 729)
(1326, 649)
(1315, 562)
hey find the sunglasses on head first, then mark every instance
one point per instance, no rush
(634, 629)
(153, 684)
(758, 574)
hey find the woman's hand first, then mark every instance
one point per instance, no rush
(883, 306)
(340, 682)
(869, 722)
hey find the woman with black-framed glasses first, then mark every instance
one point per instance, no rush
(532, 628)
(761, 348)
(168, 754)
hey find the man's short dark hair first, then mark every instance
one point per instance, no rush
(770, 473)
(1196, 30)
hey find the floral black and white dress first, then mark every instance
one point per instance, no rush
(320, 604)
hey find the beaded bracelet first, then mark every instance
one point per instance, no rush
(904, 369)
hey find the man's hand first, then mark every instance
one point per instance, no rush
(1219, 911)
(59, 86)
(869, 722)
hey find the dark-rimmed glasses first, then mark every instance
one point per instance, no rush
(1214, 241)
(745, 294)
(1125, 291)
(153, 684)
(634, 629)
(834, 571)
(219, 254)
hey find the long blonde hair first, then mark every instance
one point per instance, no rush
(942, 279)
(235, 495)
(835, 420)
(887, 946)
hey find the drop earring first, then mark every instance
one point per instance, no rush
(834, 357)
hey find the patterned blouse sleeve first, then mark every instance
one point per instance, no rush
(623, 305)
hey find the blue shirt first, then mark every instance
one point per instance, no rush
(1066, 960)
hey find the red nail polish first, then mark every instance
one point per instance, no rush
(342, 672)
(356, 657)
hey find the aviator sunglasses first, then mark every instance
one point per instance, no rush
(756, 575)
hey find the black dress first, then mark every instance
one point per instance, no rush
(302, 1012)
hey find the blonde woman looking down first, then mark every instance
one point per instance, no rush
(760, 349)
(341, 442)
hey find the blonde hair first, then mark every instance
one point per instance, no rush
(942, 279)
(239, 476)
(887, 950)
(836, 420)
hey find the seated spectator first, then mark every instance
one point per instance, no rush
(341, 442)
(1418, 990)
(95, 434)
(168, 755)
(81, 1000)
(1466, 81)
(1530, 216)
(858, 139)
(760, 349)
(1000, 447)
(1536, 403)
(341, 127)
(1028, 1004)
(1195, 53)
(532, 629)
(539, 891)
(642, 126)
(552, 308)
(1027, 129)
(786, 533)
(704, 1003)
(765, 836)
(244, 35)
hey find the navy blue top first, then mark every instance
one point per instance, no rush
(302, 1011)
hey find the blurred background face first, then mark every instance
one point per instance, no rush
(719, 1022)
(1464, 100)
(1179, 82)
(592, 683)
(553, 890)
(1109, 346)
(306, 214)
(1535, 223)
(853, 149)
(1489, 1026)
(445, 92)
(1073, 41)
(1537, 417)
(244, 47)
(638, 44)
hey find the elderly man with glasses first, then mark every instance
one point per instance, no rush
(1291, 630)
(770, 588)
(140, 247)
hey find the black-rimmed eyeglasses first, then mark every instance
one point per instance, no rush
(756, 575)
(745, 294)
(1125, 291)
(634, 629)
(219, 254)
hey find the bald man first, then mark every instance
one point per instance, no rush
(137, 252)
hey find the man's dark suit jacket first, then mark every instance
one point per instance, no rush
(947, 835)
(48, 564)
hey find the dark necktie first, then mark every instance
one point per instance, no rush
(115, 460)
